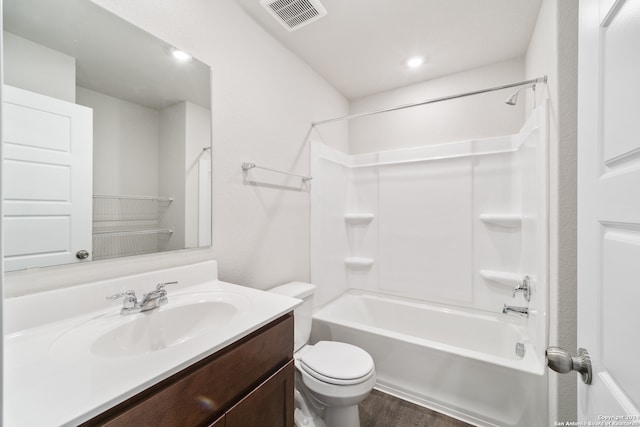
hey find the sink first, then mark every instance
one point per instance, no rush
(185, 317)
(161, 328)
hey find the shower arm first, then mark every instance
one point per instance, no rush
(431, 101)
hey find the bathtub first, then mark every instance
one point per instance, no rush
(454, 361)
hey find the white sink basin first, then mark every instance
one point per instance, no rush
(185, 317)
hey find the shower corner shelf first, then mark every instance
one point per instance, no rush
(502, 220)
(358, 218)
(502, 277)
(358, 263)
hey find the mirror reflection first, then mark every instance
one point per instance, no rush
(106, 139)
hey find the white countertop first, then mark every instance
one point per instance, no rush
(46, 387)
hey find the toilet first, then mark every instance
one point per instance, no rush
(331, 377)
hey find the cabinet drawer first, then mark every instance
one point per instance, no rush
(205, 390)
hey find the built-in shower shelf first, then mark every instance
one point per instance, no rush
(502, 220)
(358, 263)
(502, 277)
(358, 218)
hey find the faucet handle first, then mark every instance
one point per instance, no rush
(130, 304)
(524, 287)
(160, 286)
(163, 293)
(129, 293)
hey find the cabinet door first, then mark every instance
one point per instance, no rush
(270, 405)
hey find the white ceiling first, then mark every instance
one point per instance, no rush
(360, 46)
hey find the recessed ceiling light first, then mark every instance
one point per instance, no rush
(180, 55)
(415, 61)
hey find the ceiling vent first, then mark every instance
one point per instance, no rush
(294, 14)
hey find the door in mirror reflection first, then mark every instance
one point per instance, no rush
(48, 204)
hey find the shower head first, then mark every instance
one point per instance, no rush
(513, 99)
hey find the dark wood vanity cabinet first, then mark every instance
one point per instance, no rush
(249, 383)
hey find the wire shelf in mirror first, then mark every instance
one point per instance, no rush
(129, 208)
(112, 244)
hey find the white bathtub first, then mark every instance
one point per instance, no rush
(454, 361)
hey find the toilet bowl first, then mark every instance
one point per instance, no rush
(331, 377)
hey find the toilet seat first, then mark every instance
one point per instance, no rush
(337, 363)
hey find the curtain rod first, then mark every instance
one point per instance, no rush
(432, 101)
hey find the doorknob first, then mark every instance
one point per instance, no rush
(82, 254)
(561, 361)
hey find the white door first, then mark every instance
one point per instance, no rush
(47, 178)
(609, 209)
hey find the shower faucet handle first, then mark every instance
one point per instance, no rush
(525, 288)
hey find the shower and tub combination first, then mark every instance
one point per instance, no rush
(433, 259)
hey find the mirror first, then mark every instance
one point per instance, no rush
(106, 138)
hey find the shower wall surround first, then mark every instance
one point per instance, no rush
(458, 224)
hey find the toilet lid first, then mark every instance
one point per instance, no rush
(330, 360)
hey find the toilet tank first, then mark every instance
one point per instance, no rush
(302, 319)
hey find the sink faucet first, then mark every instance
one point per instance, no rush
(155, 299)
(150, 300)
(521, 311)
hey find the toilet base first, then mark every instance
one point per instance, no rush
(310, 412)
(342, 416)
(307, 413)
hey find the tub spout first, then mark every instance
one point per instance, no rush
(510, 309)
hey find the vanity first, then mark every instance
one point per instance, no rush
(214, 390)
(216, 354)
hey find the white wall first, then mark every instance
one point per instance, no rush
(478, 116)
(198, 136)
(125, 145)
(552, 51)
(264, 99)
(37, 68)
(185, 129)
(171, 181)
